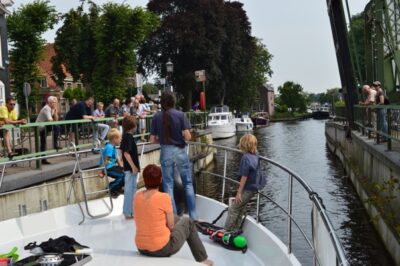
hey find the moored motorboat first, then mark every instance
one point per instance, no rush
(321, 112)
(244, 124)
(260, 119)
(221, 122)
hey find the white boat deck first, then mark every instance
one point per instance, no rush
(112, 238)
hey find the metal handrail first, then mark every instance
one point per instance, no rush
(340, 255)
(314, 197)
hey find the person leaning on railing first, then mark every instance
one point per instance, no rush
(46, 114)
(81, 110)
(371, 95)
(381, 99)
(248, 186)
(99, 113)
(8, 114)
(370, 100)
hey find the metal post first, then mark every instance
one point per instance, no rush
(258, 208)
(389, 124)
(290, 191)
(224, 180)
(205, 105)
(37, 147)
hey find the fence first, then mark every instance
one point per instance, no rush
(46, 138)
(381, 122)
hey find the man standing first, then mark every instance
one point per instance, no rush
(381, 99)
(46, 114)
(113, 109)
(8, 114)
(371, 94)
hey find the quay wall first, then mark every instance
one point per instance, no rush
(56, 190)
(374, 172)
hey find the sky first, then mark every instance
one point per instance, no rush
(296, 32)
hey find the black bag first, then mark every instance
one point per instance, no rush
(58, 245)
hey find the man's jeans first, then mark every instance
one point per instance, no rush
(129, 193)
(171, 155)
(382, 123)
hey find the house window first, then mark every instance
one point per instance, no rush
(43, 82)
(79, 85)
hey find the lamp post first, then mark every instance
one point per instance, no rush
(170, 68)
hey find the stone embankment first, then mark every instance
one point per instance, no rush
(375, 173)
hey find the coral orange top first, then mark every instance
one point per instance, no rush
(152, 233)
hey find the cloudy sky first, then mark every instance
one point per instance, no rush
(296, 32)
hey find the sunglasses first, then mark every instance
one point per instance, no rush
(12, 104)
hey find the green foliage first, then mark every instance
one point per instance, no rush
(357, 47)
(119, 31)
(281, 108)
(150, 88)
(383, 195)
(76, 93)
(291, 94)
(25, 27)
(98, 46)
(211, 35)
(330, 96)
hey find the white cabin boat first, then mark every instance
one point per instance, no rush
(100, 225)
(244, 124)
(221, 122)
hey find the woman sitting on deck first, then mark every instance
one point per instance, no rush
(158, 232)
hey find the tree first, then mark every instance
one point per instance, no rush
(212, 35)
(331, 95)
(118, 33)
(75, 45)
(98, 47)
(191, 35)
(25, 27)
(357, 47)
(259, 72)
(291, 94)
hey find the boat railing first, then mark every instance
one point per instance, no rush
(325, 232)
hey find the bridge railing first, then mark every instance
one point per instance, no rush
(381, 122)
(324, 243)
(44, 138)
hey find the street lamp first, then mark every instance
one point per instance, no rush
(170, 68)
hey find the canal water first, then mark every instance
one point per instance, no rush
(301, 146)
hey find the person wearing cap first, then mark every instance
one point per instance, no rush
(381, 99)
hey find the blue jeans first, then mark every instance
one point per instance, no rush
(171, 155)
(117, 173)
(129, 193)
(382, 123)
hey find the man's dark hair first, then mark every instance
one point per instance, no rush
(9, 99)
(89, 98)
(167, 102)
(128, 101)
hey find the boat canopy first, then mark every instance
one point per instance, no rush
(220, 109)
